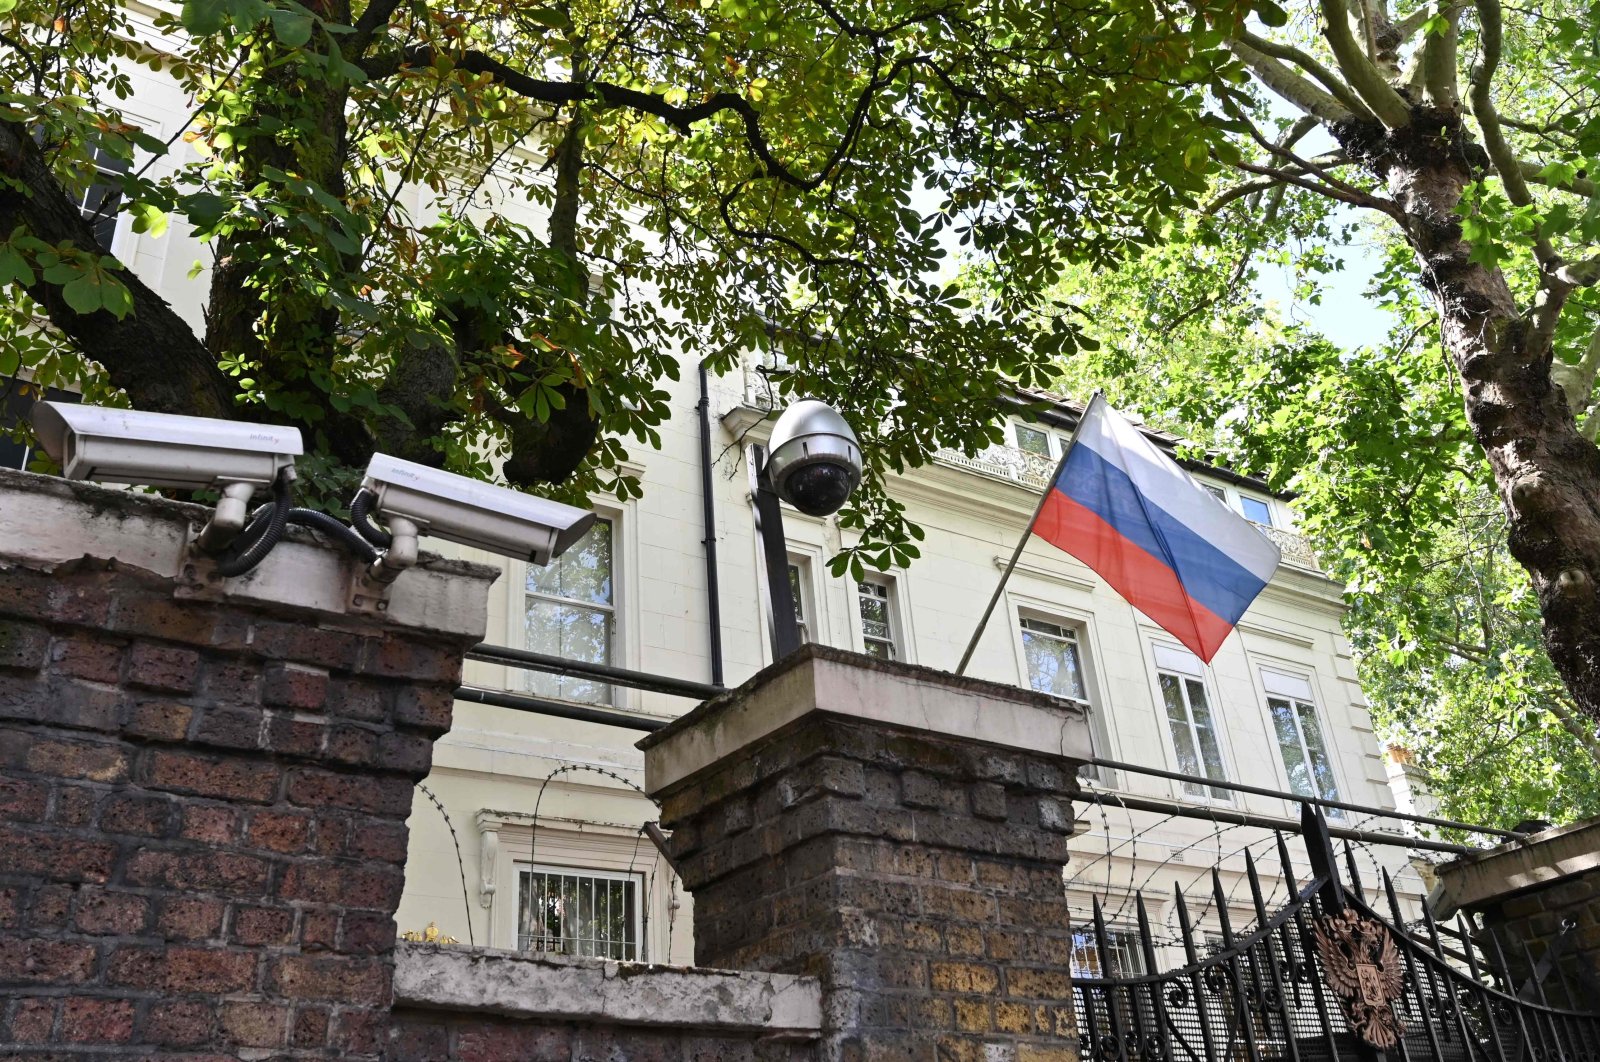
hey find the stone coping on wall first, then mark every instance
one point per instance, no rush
(46, 521)
(1541, 859)
(819, 678)
(562, 988)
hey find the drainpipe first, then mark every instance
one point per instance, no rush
(708, 508)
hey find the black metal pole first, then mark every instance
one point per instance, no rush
(621, 676)
(709, 522)
(775, 555)
(588, 713)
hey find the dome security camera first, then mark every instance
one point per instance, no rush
(813, 458)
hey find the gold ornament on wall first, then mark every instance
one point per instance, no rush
(431, 935)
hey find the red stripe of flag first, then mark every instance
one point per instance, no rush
(1147, 583)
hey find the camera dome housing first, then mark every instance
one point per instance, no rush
(814, 459)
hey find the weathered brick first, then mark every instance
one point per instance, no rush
(232, 873)
(112, 913)
(46, 962)
(394, 657)
(214, 824)
(162, 720)
(352, 745)
(310, 1026)
(487, 1042)
(367, 933)
(252, 1024)
(379, 839)
(412, 1039)
(290, 736)
(136, 813)
(316, 788)
(87, 658)
(49, 907)
(231, 727)
(181, 969)
(72, 806)
(278, 831)
(191, 918)
(163, 667)
(427, 707)
(263, 926)
(180, 1023)
(87, 1020)
(54, 856)
(410, 753)
(31, 1022)
(22, 645)
(231, 682)
(359, 1031)
(319, 929)
(22, 799)
(222, 777)
(97, 762)
(294, 686)
(308, 645)
(334, 979)
(346, 883)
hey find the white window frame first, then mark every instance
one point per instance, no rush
(1057, 442)
(1021, 605)
(1299, 688)
(1169, 662)
(633, 879)
(1076, 630)
(891, 608)
(805, 591)
(1125, 944)
(1234, 499)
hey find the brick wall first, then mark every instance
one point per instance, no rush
(918, 875)
(202, 804)
(1540, 899)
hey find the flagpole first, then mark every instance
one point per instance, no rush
(1022, 542)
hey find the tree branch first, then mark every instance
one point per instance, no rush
(1439, 63)
(1311, 65)
(1293, 88)
(1359, 71)
(1494, 141)
(151, 353)
(1577, 185)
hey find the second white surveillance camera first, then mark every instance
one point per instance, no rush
(472, 513)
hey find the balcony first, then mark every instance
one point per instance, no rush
(1033, 471)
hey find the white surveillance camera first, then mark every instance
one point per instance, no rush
(470, 512)
(162, 449)
(814, 459)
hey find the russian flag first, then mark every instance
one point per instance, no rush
(1162, 541)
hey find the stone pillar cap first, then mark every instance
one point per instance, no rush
(1545, 858)
(819, 678)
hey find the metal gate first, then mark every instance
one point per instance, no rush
(1327, 977)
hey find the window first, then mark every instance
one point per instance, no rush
(874, 598)
(1255, 509)
(1032, 440)
(1216, 492)
(571, 613)
(102, 200)
(800, 590)
(1194, 731)
(16, 403)
(1299, 733)
(1055, 664)
(594, 913)
(1124, 956)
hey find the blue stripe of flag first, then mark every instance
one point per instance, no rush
(1208, 575)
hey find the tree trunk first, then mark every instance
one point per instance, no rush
(1547, 473)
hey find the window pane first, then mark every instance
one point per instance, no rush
(1255, 509)
(583, 573)
(577, 913)
(1317, 753)
(1294, 762)
(1053, 664)
(1033, 440)
(798, 593)
(575, 633)
(1206, 734)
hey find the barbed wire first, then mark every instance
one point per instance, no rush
(461, 864)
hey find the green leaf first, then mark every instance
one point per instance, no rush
(149, 218)
(204, 17)
(292, 28)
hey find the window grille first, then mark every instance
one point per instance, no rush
(571, 613)
(592, 913)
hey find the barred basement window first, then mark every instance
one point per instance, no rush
(593, 913)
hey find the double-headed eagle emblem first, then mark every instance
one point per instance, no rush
(1362, 966)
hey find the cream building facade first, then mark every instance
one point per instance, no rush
(546, 815)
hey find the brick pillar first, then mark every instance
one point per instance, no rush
(203, 802)
(897, 832)
(1542, 893)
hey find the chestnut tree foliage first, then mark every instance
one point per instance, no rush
(713, 175)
